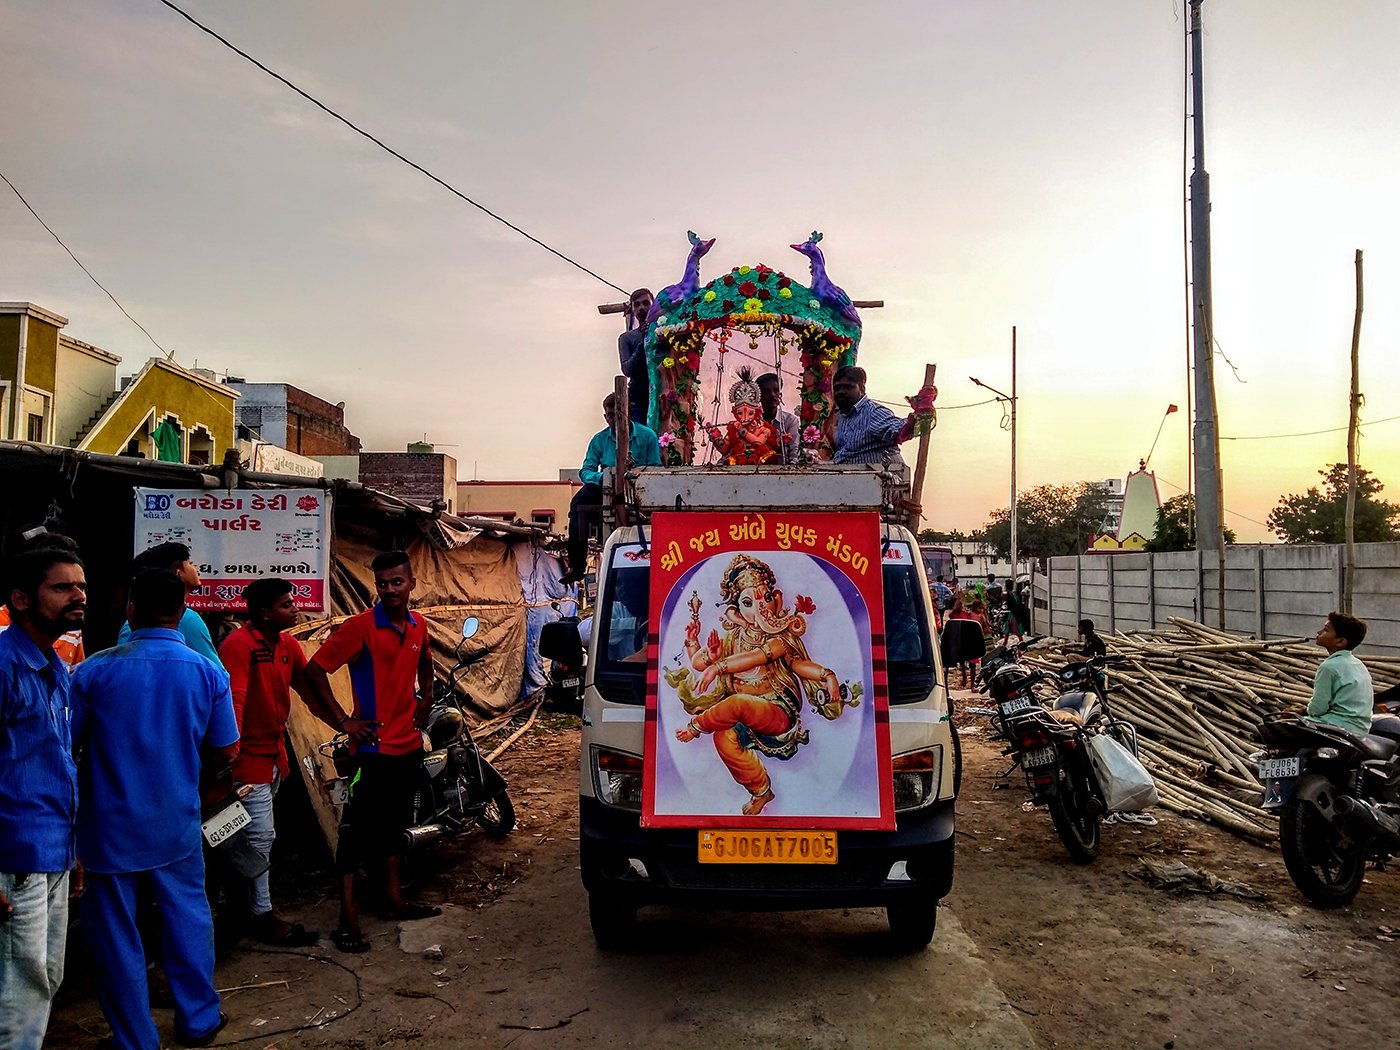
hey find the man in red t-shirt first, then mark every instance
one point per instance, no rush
(388, 653)
(264, 665)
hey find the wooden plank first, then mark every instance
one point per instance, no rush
(307, 733)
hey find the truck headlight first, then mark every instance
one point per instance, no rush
(617, 778)
(916, 778)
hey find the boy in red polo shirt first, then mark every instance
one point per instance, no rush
(388, 653)
(264, 665)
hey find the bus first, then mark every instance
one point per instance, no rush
(938, 561)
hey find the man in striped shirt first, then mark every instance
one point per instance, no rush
(866, 432)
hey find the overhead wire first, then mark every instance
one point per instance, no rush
(169, 354)
(1306, 433)
(387, 148)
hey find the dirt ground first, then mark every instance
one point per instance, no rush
(1084, 956)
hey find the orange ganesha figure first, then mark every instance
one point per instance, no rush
(750, 439)
(763, 672)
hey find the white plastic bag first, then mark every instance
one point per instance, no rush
(1126, 785)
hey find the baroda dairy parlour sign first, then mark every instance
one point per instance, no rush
(238, 536)
(766, 700)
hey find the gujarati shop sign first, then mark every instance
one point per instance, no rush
(238, 536)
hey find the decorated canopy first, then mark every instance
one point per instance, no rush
(762, 316)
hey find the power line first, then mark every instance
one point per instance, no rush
(387, 148)
(1306, 433)
(1232, 513)
(168, 353)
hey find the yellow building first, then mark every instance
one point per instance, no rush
(57, 390)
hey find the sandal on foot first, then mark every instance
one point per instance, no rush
(208, 1037)
(409, 910)
(350, 941)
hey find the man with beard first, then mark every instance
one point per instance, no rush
(47, 598)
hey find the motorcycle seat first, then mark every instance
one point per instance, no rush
(1082, 704)
(1386, 726)
(1380, 747)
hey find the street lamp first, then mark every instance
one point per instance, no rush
(1011, 398)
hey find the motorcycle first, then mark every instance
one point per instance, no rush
(1338, 800)
(1052, 745)
(559, 644)
(458, 786)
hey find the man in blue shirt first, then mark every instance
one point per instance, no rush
(1343, 693)
(47, 597)
(866, 432)
(643, 450)
(145, 715)
(176, 558)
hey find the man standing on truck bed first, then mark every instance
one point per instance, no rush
(867, 432)
(643, 450)
(632, 356)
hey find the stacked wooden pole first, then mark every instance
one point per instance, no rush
(1197, 695)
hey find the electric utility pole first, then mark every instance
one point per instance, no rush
(1209, 520)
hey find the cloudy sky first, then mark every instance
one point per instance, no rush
(977, 166)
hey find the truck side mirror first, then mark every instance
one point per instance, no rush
(559, 640)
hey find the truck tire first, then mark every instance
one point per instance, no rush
(912, 924)
(613, 920)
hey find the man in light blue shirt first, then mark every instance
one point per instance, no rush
(1343, 694)
(643, 451)
(176, 558)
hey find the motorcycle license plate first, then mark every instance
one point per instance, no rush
(226, 823)
(339, 790)
(1012, 706)
(767, 847)
(570, 683)
(1276, 768)
(1041, 756)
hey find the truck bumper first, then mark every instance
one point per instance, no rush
(640, 866)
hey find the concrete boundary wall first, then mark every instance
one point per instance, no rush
(1271, 591)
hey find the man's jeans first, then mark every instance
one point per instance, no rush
(31, 956)
(261, 834)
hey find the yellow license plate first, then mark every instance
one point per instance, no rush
(767, 847)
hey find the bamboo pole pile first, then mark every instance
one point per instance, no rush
(1197, 695)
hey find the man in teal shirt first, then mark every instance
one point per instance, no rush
(643, 450)
(176, 558)
(1343, 694)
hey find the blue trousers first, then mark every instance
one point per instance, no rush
(187, 943)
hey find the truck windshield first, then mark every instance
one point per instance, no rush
(620, 661)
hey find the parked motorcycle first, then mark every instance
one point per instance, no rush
(559, 644)
(1052, 745)
(458, 786)
(1338, 800)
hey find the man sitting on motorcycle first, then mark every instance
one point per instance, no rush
(1342, 690)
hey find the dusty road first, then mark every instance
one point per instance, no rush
(1031, 951)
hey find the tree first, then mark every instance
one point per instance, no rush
(1320, 516)
(1176, 526)
(1051, 520)
(940, 536)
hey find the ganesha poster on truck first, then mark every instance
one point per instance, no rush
(766, 688)
(241, 535)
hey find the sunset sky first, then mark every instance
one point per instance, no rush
(977, 166)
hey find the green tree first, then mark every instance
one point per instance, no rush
(942, 536)
(1319, 515)
(1176, 526)
(1051, 520)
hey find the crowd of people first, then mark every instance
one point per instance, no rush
(111, 762)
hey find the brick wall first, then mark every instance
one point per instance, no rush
(419, 477)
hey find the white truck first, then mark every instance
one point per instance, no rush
(765, 719)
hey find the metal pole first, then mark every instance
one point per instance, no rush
(1209, 523)
(1014, 548)
(1350, 521)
